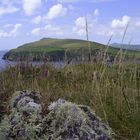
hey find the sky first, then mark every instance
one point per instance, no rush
(23, 21)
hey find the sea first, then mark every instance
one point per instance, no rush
(5, 63)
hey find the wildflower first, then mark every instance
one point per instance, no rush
(46, 60)
(46, 72)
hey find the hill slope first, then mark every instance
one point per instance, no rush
(126, 46)
(57, 49)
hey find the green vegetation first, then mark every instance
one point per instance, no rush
(112, 91)
(55, 49)
(127, 46)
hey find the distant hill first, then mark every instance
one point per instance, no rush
(126, 46)
(59, 49)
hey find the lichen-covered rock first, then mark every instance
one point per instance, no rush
(68, 121)
(24, 119)
(65, 121)
(56, 105)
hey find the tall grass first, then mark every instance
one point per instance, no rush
(112, 91)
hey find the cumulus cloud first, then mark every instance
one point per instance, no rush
(101, 29)
(56, 30)
(117, 23)
(47, 30)
(138, 23)
(12, 33)
(80, 25)
(68, 1)
(7, 25)
(10, 6)
(56, 11)
(80, 22)
(94, 1)
(104, 31)
(96, 12)
(71, 7)
(36, 31)
(99, 1)
(7, 9)
(30, 6)
(37, 20)
(116, 28)
(9, 1)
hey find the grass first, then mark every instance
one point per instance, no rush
(56, 47)
(112, 91)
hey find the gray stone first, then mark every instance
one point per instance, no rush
(64, 121)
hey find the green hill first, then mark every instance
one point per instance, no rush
(126, 46)
(59, 49)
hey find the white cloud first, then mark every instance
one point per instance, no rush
(56, 11)
(68, 1)
(3, 34)
(80, 32)
(138, 23)
(53, 29)
(5, 2)
(96, 12)
(47, 30)
(80, 22)
(8, 6)
(37, 20)
(71, 7)
(30, 6)
(94, 1)
(12, 33)
(105, 31)
(116, 23)
(7, 25)
(80, 25)
(99, 1)
(7, 9)
(36, 31)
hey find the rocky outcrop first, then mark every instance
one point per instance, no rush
(64, 121)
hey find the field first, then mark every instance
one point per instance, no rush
(113, 92)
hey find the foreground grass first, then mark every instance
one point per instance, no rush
(112, 91)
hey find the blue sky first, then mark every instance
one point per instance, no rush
(23, 21)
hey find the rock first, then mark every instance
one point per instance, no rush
(68, 121)
(56, 105)
(24, 119)
(65, 121)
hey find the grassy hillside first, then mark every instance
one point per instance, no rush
(126, 46)
(57, 49)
